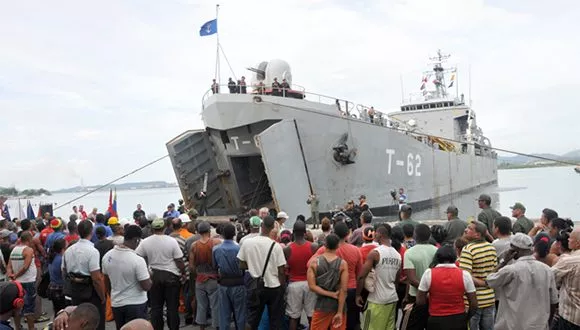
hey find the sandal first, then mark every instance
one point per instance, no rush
(41, 319)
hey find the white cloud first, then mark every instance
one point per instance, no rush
(110, 82)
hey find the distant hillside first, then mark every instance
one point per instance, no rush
(122, 186)
(523, 160)
(572, 154)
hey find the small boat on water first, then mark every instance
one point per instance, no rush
(577, 169)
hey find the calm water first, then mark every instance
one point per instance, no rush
(536, 188)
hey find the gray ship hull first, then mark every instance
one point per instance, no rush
(273, 151)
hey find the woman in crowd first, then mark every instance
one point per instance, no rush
(55, 287)
(446, 285)
(542, 250)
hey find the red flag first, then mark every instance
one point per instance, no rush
(110, 208)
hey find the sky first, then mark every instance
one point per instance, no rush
(89, 91)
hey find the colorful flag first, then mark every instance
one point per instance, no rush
(6, 213)
(114, 212)
(208, 28)
(110, 207)
(29, 212)
(452, 80)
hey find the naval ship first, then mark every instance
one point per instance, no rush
(274, 148)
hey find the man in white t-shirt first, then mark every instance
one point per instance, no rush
(127, 278)
(252, 256)
(165, 258)
(381, 312)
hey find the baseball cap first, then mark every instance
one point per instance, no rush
(282, 215)
(8, 293)
(255, 222)
(518, 206)
(113, 221)
(522, 241)
(406, 208)
(158, 223)
(368, 234)
(5, 233)
(484, 197)
(55, 223)
(203, 227)
(184, 218)
(452, 209)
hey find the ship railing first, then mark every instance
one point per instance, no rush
(345, 108)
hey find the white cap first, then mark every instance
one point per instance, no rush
(184, 218)
(282, 215)
(123, 221)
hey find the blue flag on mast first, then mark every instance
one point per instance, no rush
(209, 28)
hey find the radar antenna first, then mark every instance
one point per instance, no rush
(439, 81)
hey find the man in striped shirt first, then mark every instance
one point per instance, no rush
(479, 258)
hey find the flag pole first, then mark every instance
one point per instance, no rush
(217, 56)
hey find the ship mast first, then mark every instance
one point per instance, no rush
(440, 88)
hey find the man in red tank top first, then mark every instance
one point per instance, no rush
(446, 285)
(298, 296)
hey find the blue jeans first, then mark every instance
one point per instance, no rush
(206, 296)
(232, 299)
(29, 298)
(483, 319)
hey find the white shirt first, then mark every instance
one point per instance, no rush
(254, 253)
(125, 270)
(81, 258)
(161, 252)
(385, 276)
(425, 283)
(250, 235)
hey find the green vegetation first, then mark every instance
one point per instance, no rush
(512, 166)
(26, 192)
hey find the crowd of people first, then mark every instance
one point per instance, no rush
(277, 88)
(490, 273)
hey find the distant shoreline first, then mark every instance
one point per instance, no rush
(522, 166)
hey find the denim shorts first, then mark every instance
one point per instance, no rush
(29, 298)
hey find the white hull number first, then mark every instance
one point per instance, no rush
(412, 164)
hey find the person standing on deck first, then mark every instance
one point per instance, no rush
(243, 87)
(523, 224)
(231, 85)
(215, 87)
(479, 258)
(275, 87)
(285, 87)
(487, 215)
